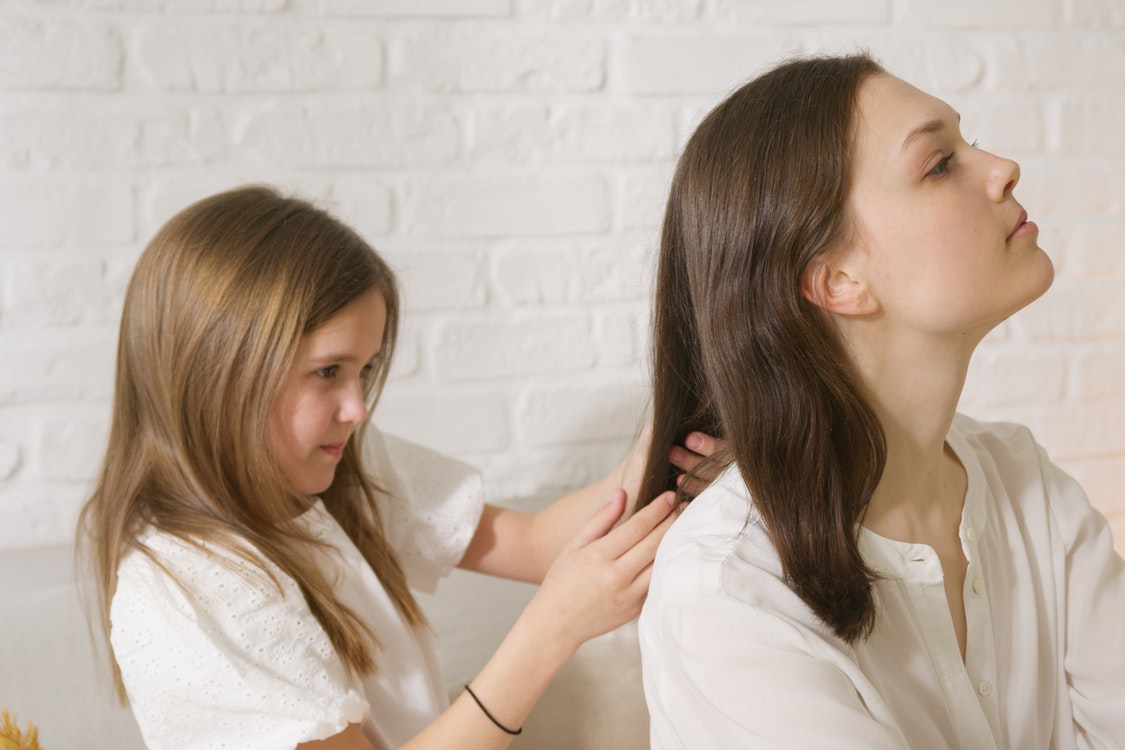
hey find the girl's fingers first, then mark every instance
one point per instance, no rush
(682, 459)
(601, 522)
(641, 554)
(697, 446)
(639, 527)
(691, 485)
(692, 460)
(702, 443)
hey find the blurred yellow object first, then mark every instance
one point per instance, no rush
(11, 738)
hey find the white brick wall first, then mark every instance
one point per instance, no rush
(511, 158)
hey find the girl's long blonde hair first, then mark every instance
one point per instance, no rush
(216, 307)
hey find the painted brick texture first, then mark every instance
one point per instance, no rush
(511, 159)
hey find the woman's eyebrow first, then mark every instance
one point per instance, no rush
(931, 126)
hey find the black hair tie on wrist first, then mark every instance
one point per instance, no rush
(491, 718)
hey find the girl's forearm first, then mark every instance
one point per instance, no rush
(508, 686)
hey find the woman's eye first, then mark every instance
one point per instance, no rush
(943, 165)
(327, 372)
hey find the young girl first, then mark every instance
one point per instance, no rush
(255, 550)
(873, 570)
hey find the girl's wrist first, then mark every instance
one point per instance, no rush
(544, 628)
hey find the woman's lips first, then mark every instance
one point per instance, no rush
(1023, 227)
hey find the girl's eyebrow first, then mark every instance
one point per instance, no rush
(343, 358)
(333, 358)
(932, 126)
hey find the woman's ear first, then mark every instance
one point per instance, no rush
(833, 285)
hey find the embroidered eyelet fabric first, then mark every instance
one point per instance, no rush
(215, 654)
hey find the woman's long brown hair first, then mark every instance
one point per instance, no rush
(760, 191)
(213, 315)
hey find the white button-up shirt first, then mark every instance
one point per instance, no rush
(733, 658)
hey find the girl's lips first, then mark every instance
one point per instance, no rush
(336, 450)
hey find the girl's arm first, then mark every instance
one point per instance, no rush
(597, 584)
(522, 546)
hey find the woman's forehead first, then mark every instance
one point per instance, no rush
(892, 115)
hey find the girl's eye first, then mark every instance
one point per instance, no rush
(367, 371)
(327, 372)
(943, 165)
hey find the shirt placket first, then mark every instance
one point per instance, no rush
(926, 588)
(980, 653)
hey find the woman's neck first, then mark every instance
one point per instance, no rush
(914, 392)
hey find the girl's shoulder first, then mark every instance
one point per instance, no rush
(217, 651)
(192, 576)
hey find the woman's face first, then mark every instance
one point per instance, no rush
(322, 399)
(944, 246)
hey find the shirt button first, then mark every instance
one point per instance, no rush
(971, 535)
(985, 688)
(978, 586)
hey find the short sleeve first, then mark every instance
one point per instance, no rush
(431, 505)
(223, 657)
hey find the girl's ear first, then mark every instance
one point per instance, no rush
(833, 285)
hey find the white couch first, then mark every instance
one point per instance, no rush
(49, 674)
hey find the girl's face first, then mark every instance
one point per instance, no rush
(321, 401)
(943, 243)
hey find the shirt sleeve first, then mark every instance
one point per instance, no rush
(221, 657)
(1094, 605)
(721, 674)
(431, 505)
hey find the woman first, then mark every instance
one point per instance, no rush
(873, 570)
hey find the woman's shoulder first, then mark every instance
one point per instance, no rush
(718, 571)
(720, 545)
(1020, 475)
(995, 437)
(1007, 452)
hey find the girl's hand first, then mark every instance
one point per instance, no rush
(691, 459)
(600, 578)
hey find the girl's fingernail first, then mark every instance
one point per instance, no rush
(693, 441)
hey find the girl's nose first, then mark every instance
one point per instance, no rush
(353, 405)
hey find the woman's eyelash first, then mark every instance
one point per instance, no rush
(943, 165)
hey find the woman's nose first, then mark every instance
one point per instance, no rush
(1003, 178)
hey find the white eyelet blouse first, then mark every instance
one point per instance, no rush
(221, 658)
